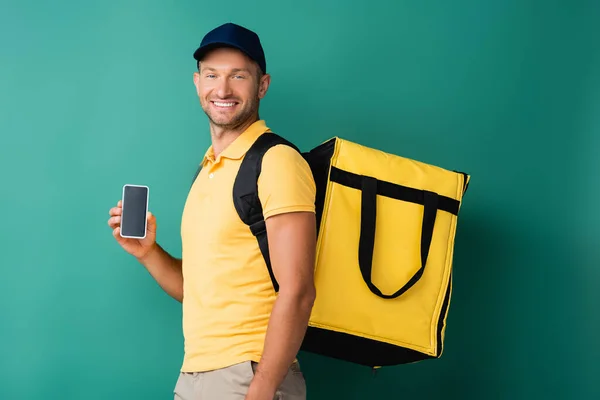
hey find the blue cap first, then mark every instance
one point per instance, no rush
(232, 35)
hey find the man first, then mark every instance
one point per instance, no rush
(241, 336)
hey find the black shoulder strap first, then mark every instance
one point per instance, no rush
(196, 174)
(245, 192)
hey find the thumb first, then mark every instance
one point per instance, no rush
(151, 221)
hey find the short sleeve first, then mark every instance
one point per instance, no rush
(286, 183)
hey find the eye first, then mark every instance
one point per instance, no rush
(210, 75)
(239, 77)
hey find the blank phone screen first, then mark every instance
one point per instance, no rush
(133, 217)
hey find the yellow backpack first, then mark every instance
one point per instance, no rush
(384, 254)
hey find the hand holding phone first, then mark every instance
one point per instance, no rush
(134, 227)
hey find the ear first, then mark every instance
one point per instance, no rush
(263, 85)
(197, 82)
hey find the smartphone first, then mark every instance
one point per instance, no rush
(134, 210)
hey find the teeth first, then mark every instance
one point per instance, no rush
(224, 104)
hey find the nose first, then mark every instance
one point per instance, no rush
(223, 88)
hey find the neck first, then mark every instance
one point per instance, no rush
(222, 137)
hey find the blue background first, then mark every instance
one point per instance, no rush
(95, 94)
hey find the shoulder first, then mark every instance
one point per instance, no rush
(284, 162)
(283, 154)
(285, 182)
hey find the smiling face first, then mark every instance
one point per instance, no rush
(230, 86)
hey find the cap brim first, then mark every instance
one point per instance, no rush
(202, 50)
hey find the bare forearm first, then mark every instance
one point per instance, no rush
(286, 330)
(166, 270)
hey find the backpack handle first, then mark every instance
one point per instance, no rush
(367, 234)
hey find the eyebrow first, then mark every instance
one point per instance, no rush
(234, 70)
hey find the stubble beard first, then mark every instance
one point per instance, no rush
(237, 120)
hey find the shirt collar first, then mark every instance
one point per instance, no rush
(240, 145)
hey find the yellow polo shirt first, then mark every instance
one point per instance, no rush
(228, 294)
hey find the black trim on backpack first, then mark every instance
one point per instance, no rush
(443, 314)
(369, 352)
(465, 180)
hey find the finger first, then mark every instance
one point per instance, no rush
(120, 203)
(115, 211)
(116, 231)
(114, 221)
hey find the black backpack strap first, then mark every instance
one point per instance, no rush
(245, 193)
(196, 174)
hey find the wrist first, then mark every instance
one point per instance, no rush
(260, 390)
(149, 254)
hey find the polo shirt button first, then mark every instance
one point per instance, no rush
(211, 175)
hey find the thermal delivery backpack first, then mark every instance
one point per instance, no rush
(386, 230)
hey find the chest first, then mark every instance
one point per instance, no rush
(209, 215)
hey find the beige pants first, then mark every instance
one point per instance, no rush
(232, 383)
